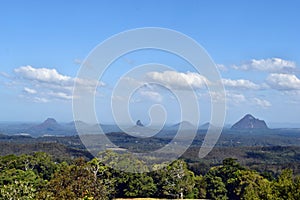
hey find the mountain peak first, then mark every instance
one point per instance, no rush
(250, 122)
(50, 121)
(50, 125)
(249, 116)
(139, 123)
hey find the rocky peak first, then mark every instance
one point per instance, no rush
(250, 122)
(50, 121)
(139, 123)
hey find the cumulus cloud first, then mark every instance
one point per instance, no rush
(40, 100)
(60, 95)
(152, 95)
(261, 102)
(240, 84)
(48, 84)
(130, 82)
(229, 97)
(41, 74)
(283, 81)
(29, 90)
(269, 65)
(178, 80)
(235, 98)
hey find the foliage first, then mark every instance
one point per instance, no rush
(175, 181)
(37, 176)
(75, 181)
(139, 185)
(18, 184)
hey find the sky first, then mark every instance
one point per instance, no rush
(255, 45)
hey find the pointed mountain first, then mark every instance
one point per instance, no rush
(139, 130)
(49, 126)
(248, 122)
(139, 123)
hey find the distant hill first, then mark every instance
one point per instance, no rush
(57, 150)
(49, 127)
(139, 123)
(79, 123)
(206, 126)
(185, 125)
(248, 122)
(139, 130)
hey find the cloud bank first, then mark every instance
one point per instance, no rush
(283, 81)
(45, 85)
(268, 65)
(178, 80)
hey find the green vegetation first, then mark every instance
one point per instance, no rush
(37, 176)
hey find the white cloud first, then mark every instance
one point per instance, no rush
(240, 84)
(269, 65)
(5, 75)
(40, 100)
(60, 95)
(178, 80)
(47, 84)
(235, 98)
(229, 97)
(41, 74)
(283, 81)
(261, 102)
(87, 84)
(222, 67)
(129, 82)
(29, 90)
(154, 96)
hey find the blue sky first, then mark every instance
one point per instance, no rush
(256, 45)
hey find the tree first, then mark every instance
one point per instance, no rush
(175, 181)
(224, 175)
(250, 185)
(43, 165)
(285, 186)
(8, 162)
(104, 174)
(228, 173)
(139, 185)
(216, 188)
(122, 162)
(200, 187)
(74, 181)
(19, 184)
(297, 187)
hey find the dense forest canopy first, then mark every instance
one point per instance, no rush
(39, 176)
